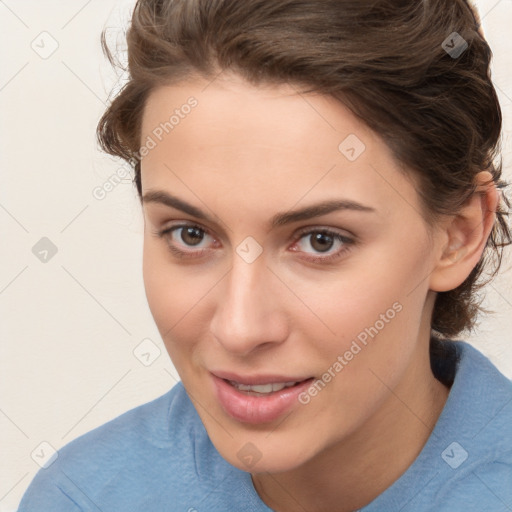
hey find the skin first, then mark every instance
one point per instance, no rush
(242, 155)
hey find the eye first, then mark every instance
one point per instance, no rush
(187, 236)
(322, 241)
(198, 241)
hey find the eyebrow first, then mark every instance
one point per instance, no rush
(280, 219)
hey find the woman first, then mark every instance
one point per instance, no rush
(320, 197)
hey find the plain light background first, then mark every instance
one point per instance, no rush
(72, 326)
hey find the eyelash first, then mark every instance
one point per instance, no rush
(347, 242)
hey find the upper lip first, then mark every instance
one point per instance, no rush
(254, 380)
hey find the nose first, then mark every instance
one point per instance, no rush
(249, 314)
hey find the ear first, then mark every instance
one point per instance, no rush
(463, 236)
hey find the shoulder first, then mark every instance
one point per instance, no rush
(483, 484)
(155, 457)
(143, 428)
(131, 451)
(466, 463)
(487, 406)
(477, 431)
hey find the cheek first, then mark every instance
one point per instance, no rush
(176, 296)
(161, 301)
(373, 311)
(171, 294)
(366, 297)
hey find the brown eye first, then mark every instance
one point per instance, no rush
(187, 240)
(323, 245)
(321, 241)
(191, 235)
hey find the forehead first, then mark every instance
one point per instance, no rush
(269, 139)
(234, 111)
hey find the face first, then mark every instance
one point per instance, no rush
(284, 265)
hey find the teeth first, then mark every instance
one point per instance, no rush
(262, 388)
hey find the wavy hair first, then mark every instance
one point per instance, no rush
(417, 72)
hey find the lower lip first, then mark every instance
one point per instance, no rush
(257, 409)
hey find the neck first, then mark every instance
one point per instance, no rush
(352, 473)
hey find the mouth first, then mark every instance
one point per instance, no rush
(261, 399)
(261, 389)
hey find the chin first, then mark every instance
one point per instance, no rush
(259, 456)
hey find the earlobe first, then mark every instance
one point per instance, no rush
(465, 236)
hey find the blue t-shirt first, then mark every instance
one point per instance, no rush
(158, 457)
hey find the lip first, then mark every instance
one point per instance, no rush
(257, 379)
(257, 409)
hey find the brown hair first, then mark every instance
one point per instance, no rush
(394, 63)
